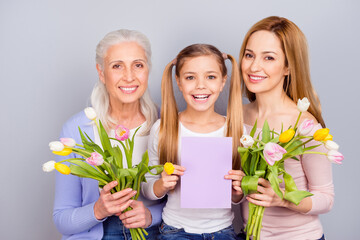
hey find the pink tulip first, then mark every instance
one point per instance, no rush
(273, 152)
(335, 156)
(121, 133)
(69, 142)
(305, 127)
(96, 159)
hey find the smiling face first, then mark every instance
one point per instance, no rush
(200, 81)
(263, 64)
(125, 73)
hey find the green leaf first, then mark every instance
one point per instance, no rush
(242, 149)
(90, 169)
(249, 184)
(265, 132)
(84, 140)
(295, 158)
(118, 157)
(253, 130)
(105, 141)
(274, 180)
(81, 172)
(253, 164)
(311, 147)
(296, 196)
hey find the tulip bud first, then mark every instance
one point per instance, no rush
(247, 141)
(96, 159)
(121, 133)
(305, 127)
(287, 135)
(321, 134)
(169, 168)
(62, 168)
(335, 156)
(48, 166)
(64, 152)
(328, 137)
(90, 113)
(273, 152)
(56, 146)
(303, 105)
(331, 145)
(69, 142)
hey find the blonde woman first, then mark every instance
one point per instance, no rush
(275, 73)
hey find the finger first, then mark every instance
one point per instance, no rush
(256, 202)
(255, 196)
(120, 208)
(236, 172)
(178, 172)
(264, 182)
(137, 224)
(179, 168)
(261, 189)
(238, 189)
(236, 183)
(233, 177)
(171, 178)
(107, 188)
(123, 195)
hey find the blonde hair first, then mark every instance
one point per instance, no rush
(169, 125)
(100, 96)
(294, 45)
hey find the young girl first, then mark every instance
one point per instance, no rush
(275, 73)
(201, 74)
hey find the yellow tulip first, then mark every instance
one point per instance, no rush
(169, 168)
(287, 135)
(328, 137)
(321, 134)
(62, 168)
(64, 152)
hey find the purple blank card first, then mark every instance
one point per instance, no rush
(207, 160)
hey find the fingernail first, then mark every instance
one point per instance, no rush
(134, 192)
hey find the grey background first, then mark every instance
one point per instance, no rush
(47, 68)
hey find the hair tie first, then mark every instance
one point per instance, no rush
(225, 56)
(174, 61)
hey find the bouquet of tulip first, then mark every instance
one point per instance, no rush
(105, 163)
(264, 158)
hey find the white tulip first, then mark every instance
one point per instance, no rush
(303, 105)
(48, 166)
(69, 142)
(56, 146)
(331, 145)
(90, 113)
(247, 141)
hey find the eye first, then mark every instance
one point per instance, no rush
(248, 55)
(116, 66)
(269, 58)
(139, 65)
(211, 77)
(189, 78)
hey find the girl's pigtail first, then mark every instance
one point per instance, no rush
(169, 124)
(234, 119)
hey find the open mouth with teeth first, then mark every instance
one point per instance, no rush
(256, 79)
(129, 89)
(201, 97)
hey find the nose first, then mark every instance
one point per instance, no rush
(129, 75)
(255, 65)
(200, 83)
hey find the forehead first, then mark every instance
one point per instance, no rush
(264, 41)
(201, 64)
(125, 51)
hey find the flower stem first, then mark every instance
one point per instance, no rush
(297, 121)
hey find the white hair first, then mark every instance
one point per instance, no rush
(100, 96)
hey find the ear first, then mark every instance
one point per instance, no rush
(223, 83)
(178, 83)
(101, 73)
(287, 71)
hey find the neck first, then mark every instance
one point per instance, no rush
(270, 103)
(127, 114)
(199, 117)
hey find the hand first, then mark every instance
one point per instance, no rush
(266, 196)
(236, 177)
(168, 182)
(109, 204)
(138, 217)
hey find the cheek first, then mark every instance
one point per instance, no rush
(143, 77)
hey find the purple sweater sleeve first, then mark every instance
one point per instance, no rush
(75, 197)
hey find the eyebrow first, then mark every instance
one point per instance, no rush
(120, 61)
(261, 52)
(206, 72)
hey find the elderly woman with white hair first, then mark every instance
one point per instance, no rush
(81, 210)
